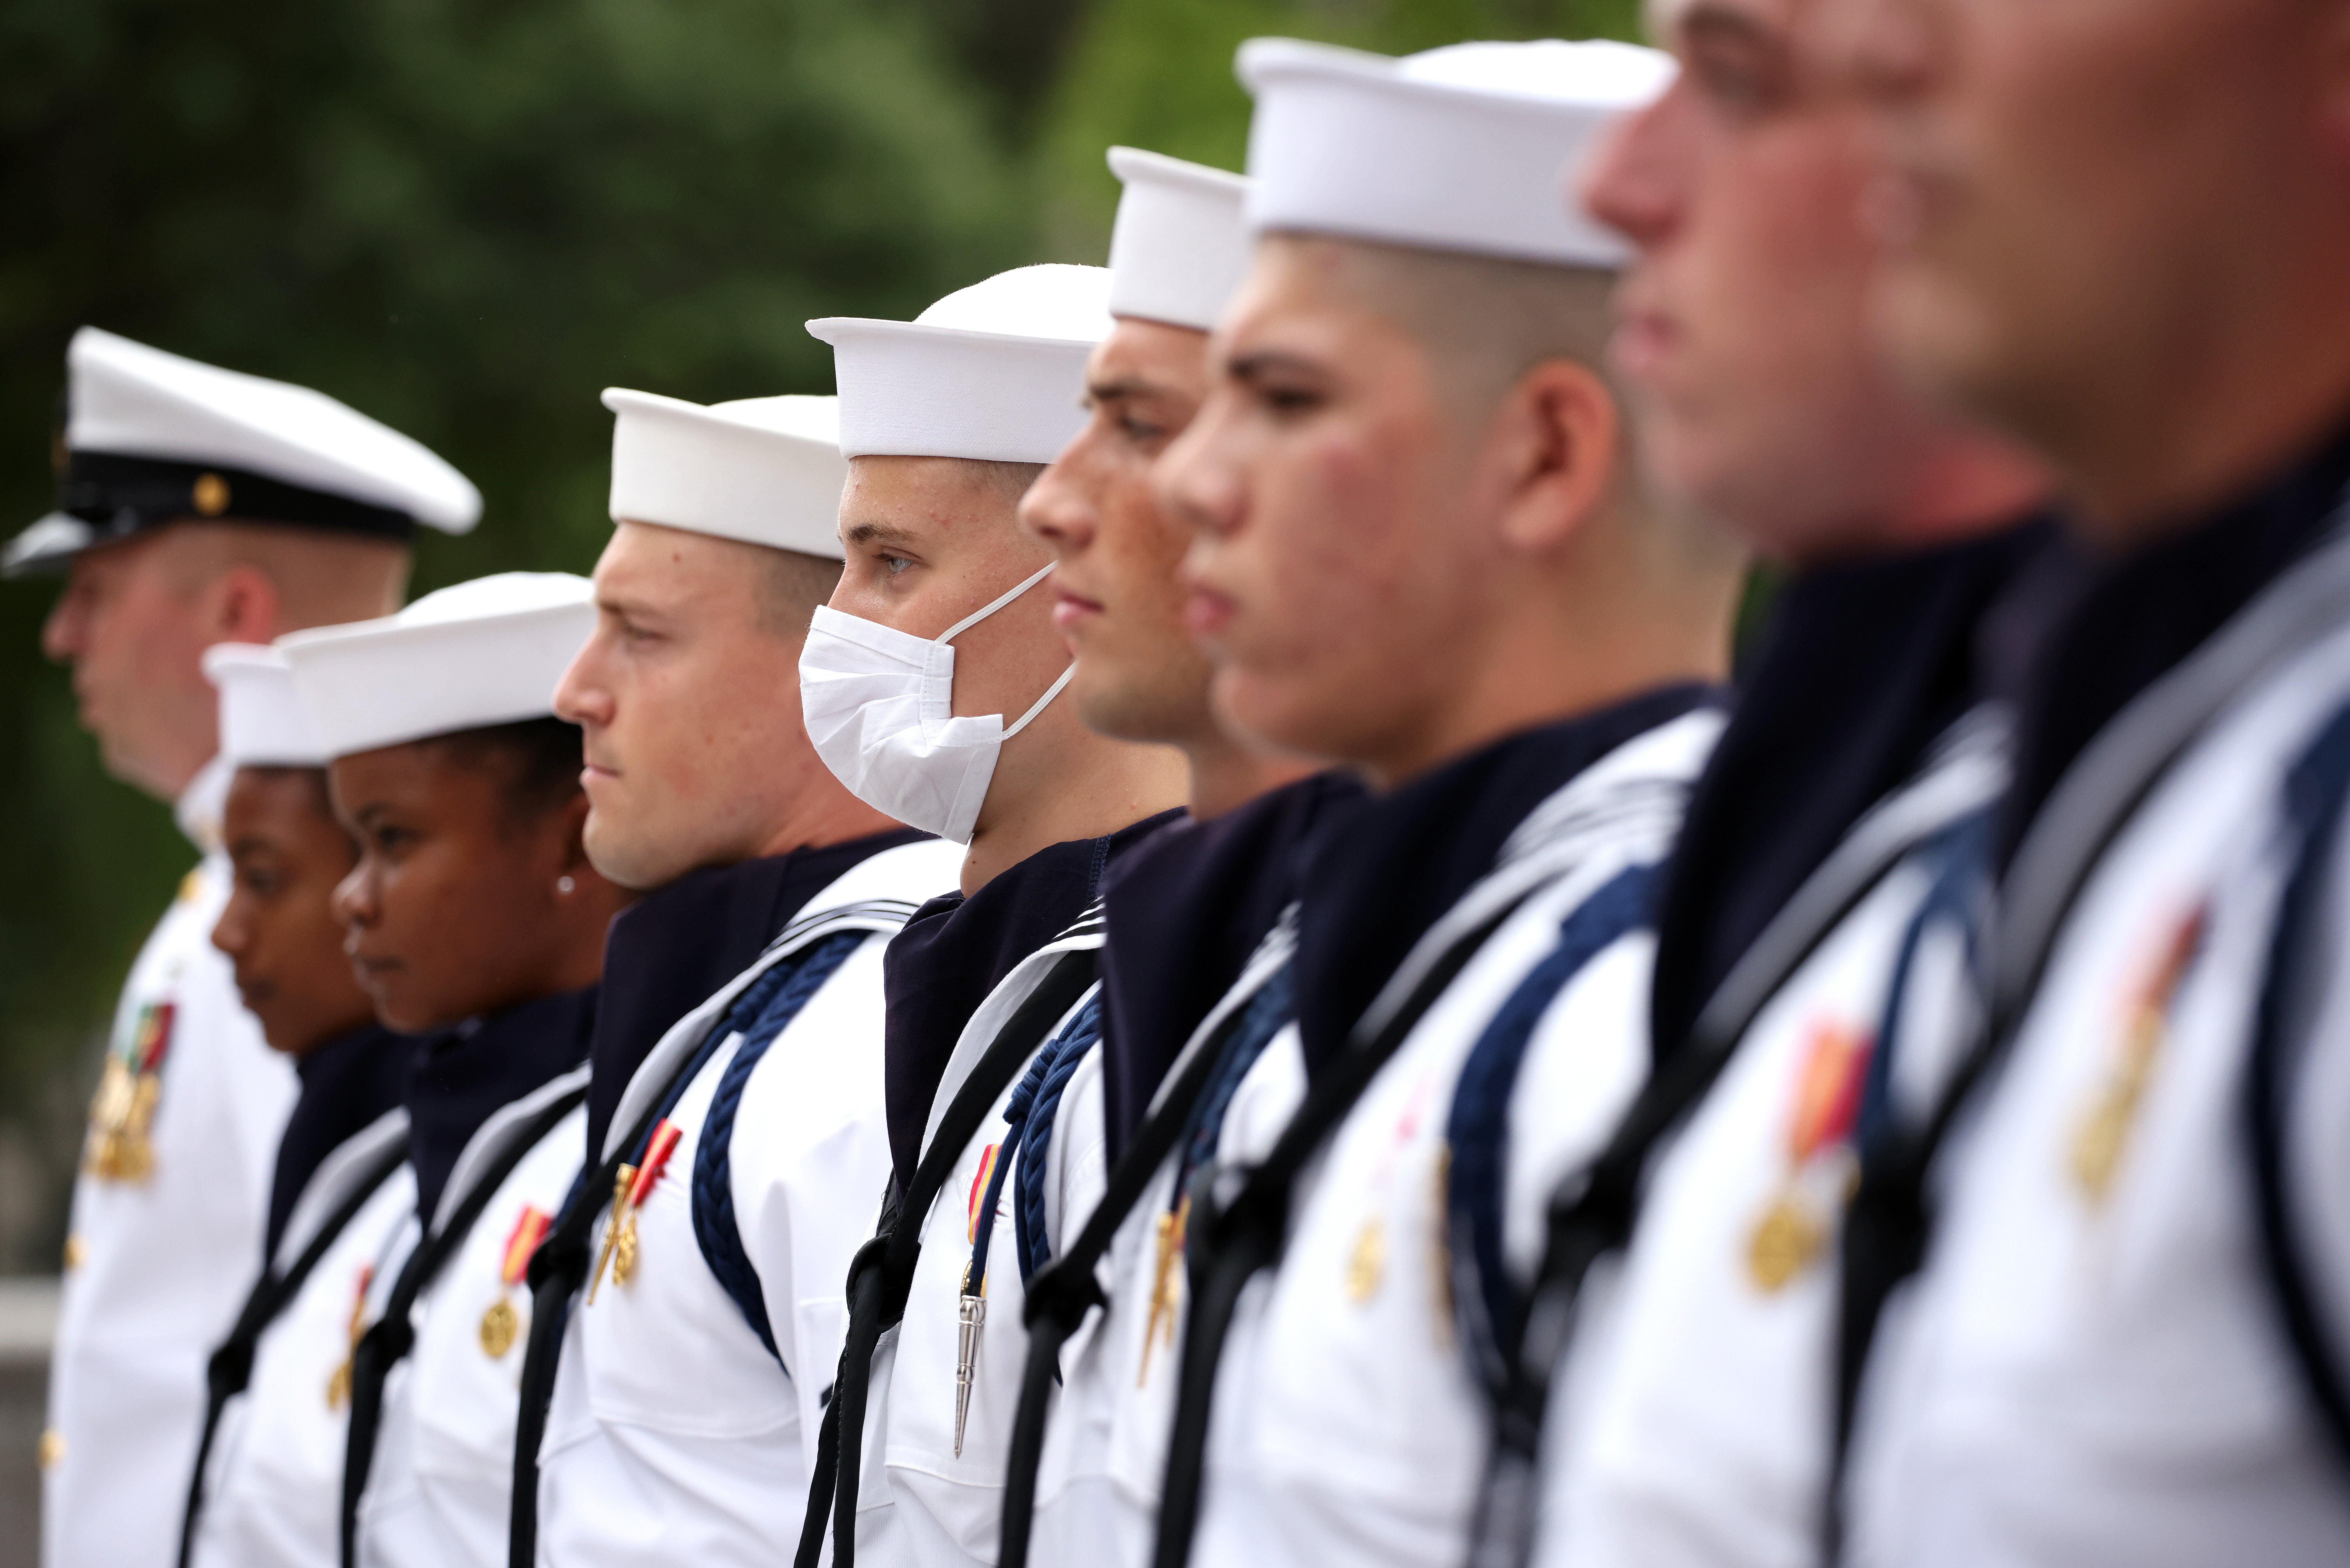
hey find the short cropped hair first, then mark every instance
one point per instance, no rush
(535, 762)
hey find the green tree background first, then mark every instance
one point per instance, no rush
(467, 219)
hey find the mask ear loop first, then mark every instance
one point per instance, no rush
(973, 620)
(1050, 692)
(976, 617)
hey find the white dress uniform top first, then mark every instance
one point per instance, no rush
(166, 1228)
(631, 1472)
(277, 1466)
(1692, 1425)
(427, 1480)
(932, 1476)
(168, 1212)
(439, 1490)
(2093, 1365)
(276, 1459)
(1349, 1423)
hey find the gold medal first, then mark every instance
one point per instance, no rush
(1786, 1242)
(499, 1326)
(1367, 1263)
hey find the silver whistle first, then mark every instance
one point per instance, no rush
(971, 1316)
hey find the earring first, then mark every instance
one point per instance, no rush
(564, 885)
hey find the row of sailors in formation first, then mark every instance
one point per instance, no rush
(1019, 1114)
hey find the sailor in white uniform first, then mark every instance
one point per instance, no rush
(2123, 1341)
(196, 505)
(765, 1099)
(1867, 746)
(473, 913)
(1186, 912)
(910, 682)
(1409, 379)
(271, 1465)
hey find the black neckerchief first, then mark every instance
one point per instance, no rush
(2140, 615)
(1185, 912)
(1865, 664)
(940, 967)
(470, 1072)
(347, 1084)
(1377, 877)
(671, 950)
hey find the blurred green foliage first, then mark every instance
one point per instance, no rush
(466, 217)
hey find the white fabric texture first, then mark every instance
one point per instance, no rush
(878, 704)
(439, 1489)
(126, 399)
(922, 1504)
(1475, 148)
(1353, 1331)
(766, 471)
(631, 1476)
(993, 371)
(261, 722)
(490, 651)
(2100, 1376)
(1179, 245)
(273, 1496)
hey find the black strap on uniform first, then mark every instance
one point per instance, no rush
(230, 1371)
(2315, 794)
(1592, 1216)
(1226, 1246)
(1060, 1297)
(881, 1275)
(393, 1335)
(1889, 1222)
(559, 1268)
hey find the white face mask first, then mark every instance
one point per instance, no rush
(880, 706)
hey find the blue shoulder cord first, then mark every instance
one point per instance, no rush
(1029, 1115)
(2315, 792)
(1958, 894)
(1487, 1302)
(760, 1015)
(1274, 1006)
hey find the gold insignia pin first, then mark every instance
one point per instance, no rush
(53, 1448)
(620, 1182)
(1367, 1263)
(1162, 1283)
(210, 495)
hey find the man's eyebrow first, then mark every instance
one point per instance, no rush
(1123, 387)
(1249, 366)
(877, 533)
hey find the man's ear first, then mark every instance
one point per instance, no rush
(241, 606)
(1557, 440)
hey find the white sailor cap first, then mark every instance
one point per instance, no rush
(1180, 244)
(993, 371)
(261, 722)
(767, 471)
(486, 652)
(151, 437)
(1474, 148)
